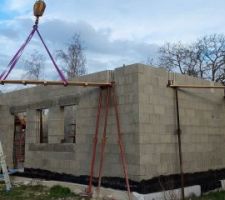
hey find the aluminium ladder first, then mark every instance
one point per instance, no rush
(3, 166)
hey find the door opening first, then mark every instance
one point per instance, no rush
(19, 140)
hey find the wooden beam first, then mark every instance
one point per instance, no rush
(197, 86)
(45, 83)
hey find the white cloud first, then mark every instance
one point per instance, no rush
(18, 5)
(101, 49)
(114, 32)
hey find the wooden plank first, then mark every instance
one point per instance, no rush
(45, 83)
(198, 86)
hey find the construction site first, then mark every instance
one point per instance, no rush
(135, 132)
(39, 133)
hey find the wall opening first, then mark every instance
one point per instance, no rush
(70, 124)
(43, 118)
(20, 121)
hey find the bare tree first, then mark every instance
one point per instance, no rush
(73, 58)
(178, 57)
(151, 61)
(211, 51)
(34, 65)
(204, 58)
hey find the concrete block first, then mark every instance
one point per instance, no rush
(188, 191)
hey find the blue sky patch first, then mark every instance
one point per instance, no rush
(114, 32)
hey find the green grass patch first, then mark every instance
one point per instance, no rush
(59, 191)
(24, 193)
(37, 192)
(213, 196)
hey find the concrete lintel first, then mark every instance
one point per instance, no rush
(52, 147)
(69, 100)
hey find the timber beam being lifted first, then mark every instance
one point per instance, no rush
(68, 83)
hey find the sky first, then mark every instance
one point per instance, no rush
(113, 32)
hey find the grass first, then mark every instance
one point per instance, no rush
(37, 192)
(213, 196)
(57, 192)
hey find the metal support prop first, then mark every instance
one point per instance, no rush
(95, 141)
(179, 145)
(103, 139)
(176, 87)
(41, 126)
(121, 146)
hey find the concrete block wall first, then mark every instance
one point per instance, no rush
(148, 125)
(201, 117)
(55, 156)
(86, 122)
(52, 97)
(6, 128)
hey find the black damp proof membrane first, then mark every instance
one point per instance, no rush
(208, 180)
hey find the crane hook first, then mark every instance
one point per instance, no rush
(39, 8)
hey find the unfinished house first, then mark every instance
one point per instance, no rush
(52, 128)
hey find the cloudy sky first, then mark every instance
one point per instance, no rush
(114, 32)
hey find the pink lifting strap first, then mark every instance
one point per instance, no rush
(18, 54)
